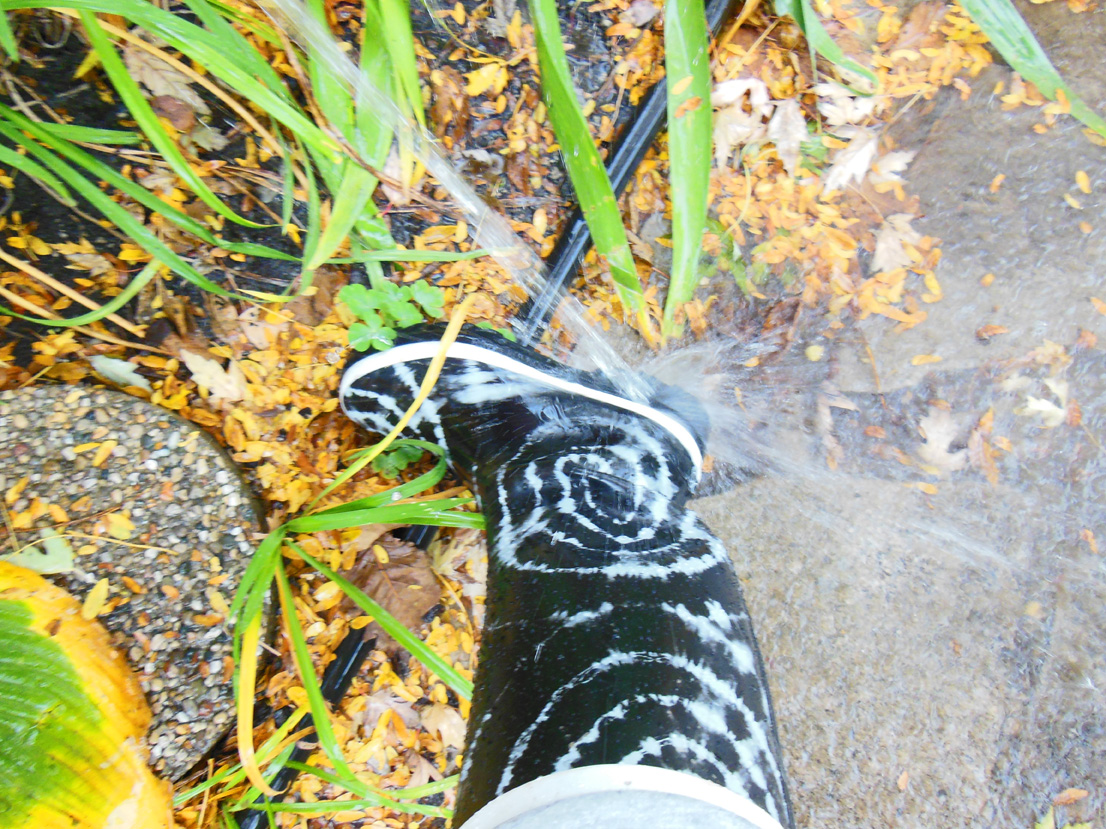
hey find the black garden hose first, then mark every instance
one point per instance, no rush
(626, 154)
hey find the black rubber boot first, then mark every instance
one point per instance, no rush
(618, 657)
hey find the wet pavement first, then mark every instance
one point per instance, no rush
(937, 657)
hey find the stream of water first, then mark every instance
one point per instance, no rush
(488, 228)
(934, 638)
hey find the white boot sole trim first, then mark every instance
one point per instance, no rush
(412, 352)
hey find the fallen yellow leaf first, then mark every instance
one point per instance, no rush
(105, 450)
(924, 359)
(12, 494)
(95, 601)
(120, 526)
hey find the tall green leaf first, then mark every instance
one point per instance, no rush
(687, 69)
(7, 39)
(820, 41)
(585, 167)
(143, 113)
(1006, 29)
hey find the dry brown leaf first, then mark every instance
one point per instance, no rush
(405, 586)
(224, 384)
(920, 29)
(787, 130)
(204, 137)
(384, 700)
(161, 79)
(886, 168)
(733, 126)
(840, 107)
(985, 332)
(83, 257)
(1069, 796)
(982, 455)
(311, 310)
(180, 114)
(422, 770)
(446, 722)
(893, 234)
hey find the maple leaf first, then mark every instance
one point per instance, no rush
(733, 126)
(940, 430)
(852, 162)
(787, 130)
(228, 385)
(886, 168)
(161, 79)
(893, 234)
(840, 107)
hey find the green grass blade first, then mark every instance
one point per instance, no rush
(402, 255)
(117, 302)
(395, 15)
(392, 626)
(92, 135)
(585, 168)
(102, 171)
(36, 171)
(349, 202)
(272, 769)
(315, 702)
(255, 583)
(314, 216)
(235, 46)
(148, 122)
(327, 806)
(116, 213)
(247, 21)
(288, 193)
(407, 490)
(263, 89)
(1009, 34)
(7, 39)
(369, 793)
(820, 41)
(687, 69)
(439, 513)
(233, 775)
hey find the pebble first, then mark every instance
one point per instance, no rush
(182, 525)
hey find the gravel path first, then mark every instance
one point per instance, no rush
(109, 460)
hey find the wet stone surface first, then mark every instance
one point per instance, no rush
(96, 453)
(936, 657)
